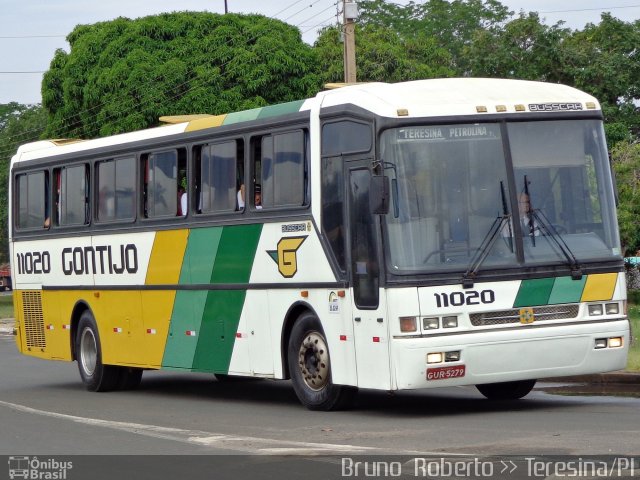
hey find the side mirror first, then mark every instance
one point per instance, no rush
(379, 195)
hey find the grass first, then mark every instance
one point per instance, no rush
(633, 363)
(6, 306)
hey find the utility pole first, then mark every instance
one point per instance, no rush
(350, 11)
(226, 10)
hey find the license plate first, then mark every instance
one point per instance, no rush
(445, 373)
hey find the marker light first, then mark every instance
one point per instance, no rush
(430, 323)
(434, 357)
(408, 324)
(615, 342)
(449, 322)
(595, 309)
(612, 308)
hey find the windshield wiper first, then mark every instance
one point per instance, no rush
(548, 230)
(488, 241)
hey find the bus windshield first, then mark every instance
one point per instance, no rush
(452, 192)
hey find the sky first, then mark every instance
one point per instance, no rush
(32, 30)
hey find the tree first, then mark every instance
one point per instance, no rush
(523, 48)
(123, 74)
(605, 61)
(382, 55)
(626, 166)
(18, 124)
(452, 25)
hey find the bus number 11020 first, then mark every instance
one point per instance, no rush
(471, 297)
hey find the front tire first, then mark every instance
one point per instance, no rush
(506, 390)
(96, 376)
(310, 368)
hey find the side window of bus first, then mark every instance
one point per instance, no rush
(333, 207)
(164, 183)
(280, 170)
(219, 177)
(116, 189)
(346, 136)
(33, 209)
(71, 195)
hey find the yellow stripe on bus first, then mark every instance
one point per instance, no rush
(166, 257)
(599, 287)
(208, 122)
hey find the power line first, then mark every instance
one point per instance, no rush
(32, 36)
(36, 71)
(590, 9)
(285, 9)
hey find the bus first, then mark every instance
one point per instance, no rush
(425, 234)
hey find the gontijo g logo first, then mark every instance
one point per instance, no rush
(286, 255)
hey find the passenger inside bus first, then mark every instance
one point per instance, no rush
(182, 201)
(240, 197)
(257, 196)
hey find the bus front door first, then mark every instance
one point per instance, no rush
(370, 325)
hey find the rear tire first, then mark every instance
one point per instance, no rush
(310, 368)
(96, 376)
(506, 390)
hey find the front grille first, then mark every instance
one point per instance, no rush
(33, 319)
(502, 317)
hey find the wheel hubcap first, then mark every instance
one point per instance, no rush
(313, 359)
(88, 351)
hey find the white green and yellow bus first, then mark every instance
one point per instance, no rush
(400, 236)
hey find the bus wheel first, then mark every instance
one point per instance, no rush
(96, 376)
(310, 368)
(506, 390)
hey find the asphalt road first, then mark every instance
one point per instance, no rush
(44, 409)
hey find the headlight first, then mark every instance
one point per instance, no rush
(595, 309)
(430, 323)
(612, 308)
(449, 322)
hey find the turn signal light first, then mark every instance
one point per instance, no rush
(408, 324)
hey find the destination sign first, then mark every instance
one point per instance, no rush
(450, 132)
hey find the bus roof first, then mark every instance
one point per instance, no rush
(421, 98)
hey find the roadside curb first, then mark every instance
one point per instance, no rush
(6, 326)
(612, 378)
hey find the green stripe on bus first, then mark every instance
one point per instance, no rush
(221, 316)
(281, 109)
(188, 308)
(243, 116)
(201, 254)
(534, 292)
(567, 290)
